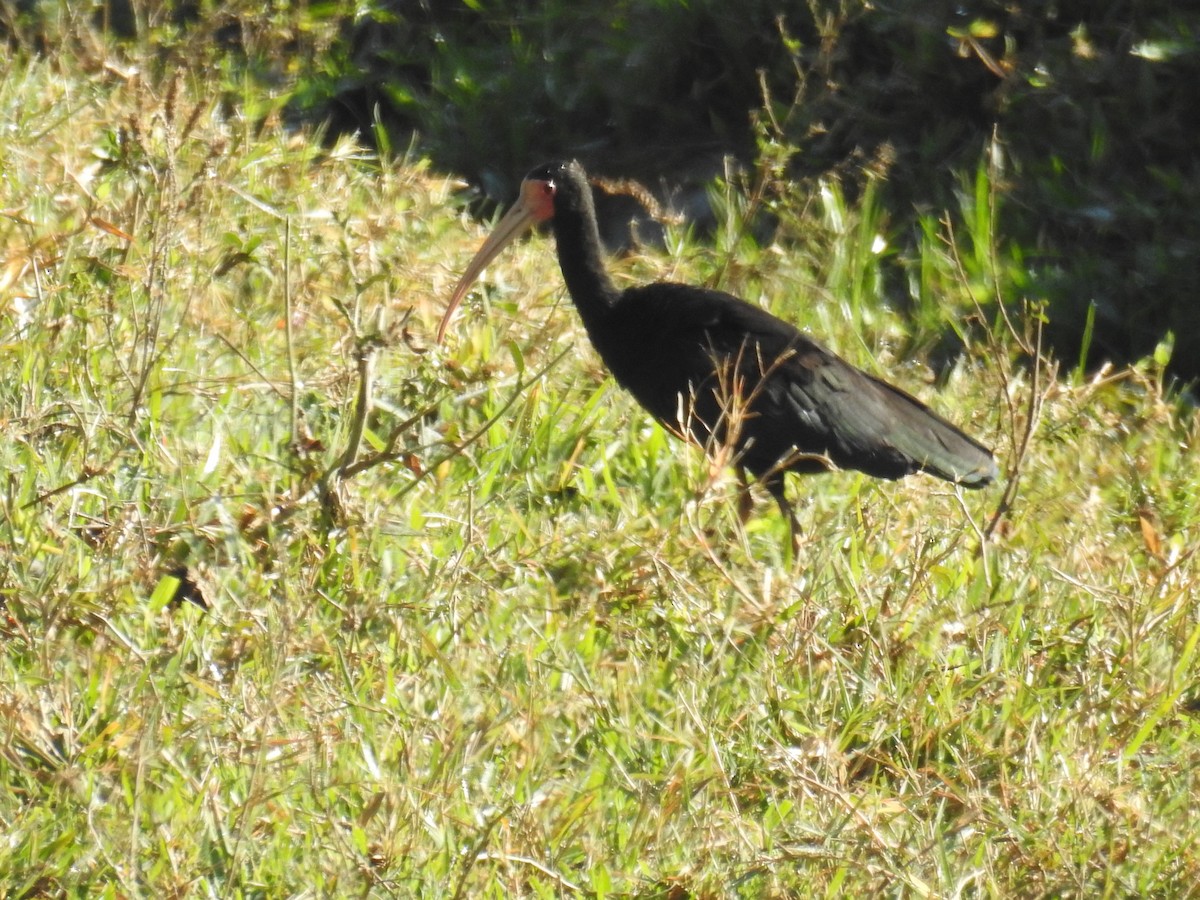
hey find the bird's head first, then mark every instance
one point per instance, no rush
(555, 185)
(541, 190)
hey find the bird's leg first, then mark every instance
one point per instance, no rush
(745, 504)
(775, 486)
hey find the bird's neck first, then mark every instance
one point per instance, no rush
(581, 258)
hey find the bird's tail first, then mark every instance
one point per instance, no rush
(937, 447)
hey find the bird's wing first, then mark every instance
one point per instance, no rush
(796, 395)
(874, 426)
(805, 397)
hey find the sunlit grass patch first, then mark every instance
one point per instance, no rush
(498, 634)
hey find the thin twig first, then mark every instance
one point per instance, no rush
(471, 858)
(1034, 351)
(287, 326)
(1033, 416)
(362, 404)
(338, 473)
(460, 448)
(263, 377)
(533, 864)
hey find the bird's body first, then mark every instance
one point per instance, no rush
(728, 375)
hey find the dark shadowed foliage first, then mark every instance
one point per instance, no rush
(1082, 114)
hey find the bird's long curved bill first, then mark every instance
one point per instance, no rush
(516, 222)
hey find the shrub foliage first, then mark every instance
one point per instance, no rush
(1080, 112)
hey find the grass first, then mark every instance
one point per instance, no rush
(520, 646)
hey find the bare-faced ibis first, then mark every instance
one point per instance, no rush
(748, 387)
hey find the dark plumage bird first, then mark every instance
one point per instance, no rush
(748, 387)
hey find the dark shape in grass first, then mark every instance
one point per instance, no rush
(188, 591)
